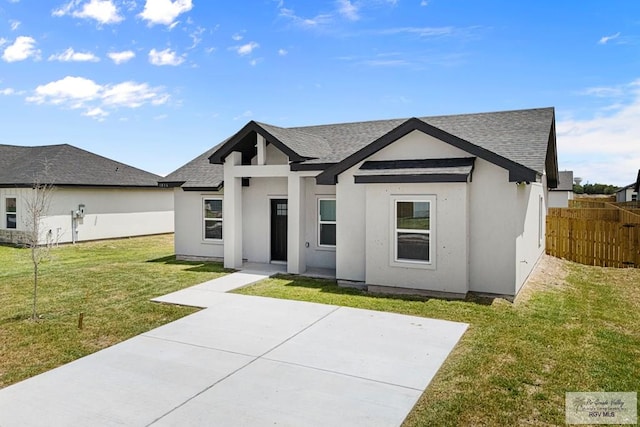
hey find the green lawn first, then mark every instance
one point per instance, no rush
(512, 366)
(111, 282)
(516, 361)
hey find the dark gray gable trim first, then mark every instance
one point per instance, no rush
(551, 161)
(233, 143)
(517, 172)
(637, 187)
(422, 164)
(310, 166)
(171, 184)
(202, 188)
(432, 177)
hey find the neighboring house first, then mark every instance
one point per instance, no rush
(446, 204)
(559, 197)
(637, 186)
(628, 193)
(93, 197)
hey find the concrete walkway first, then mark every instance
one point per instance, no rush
(204, 294)
(247, 361)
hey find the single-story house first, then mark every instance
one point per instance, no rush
(93, 197)
(445, 204)
(628, 193)
(559, 197)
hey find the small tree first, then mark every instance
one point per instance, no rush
(36, 208)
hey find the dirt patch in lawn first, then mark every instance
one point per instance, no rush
(549, 274)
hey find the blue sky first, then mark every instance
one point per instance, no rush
(155, 83)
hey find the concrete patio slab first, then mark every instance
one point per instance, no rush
(132, 383)
(274, 393)
(385, 347)
(246, 360)
(243, 324)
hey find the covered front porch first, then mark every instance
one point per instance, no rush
(313, 272)
(271, 217)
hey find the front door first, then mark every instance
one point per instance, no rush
(279, 208)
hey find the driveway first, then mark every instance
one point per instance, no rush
(247, 361)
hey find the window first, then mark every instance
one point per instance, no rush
(10, 209)
(326, 222)
(213, 219)
(412, 231)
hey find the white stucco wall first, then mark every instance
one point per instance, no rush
(350, 228)
(189, 225)
(448, 269)
(492, 225)
(316, 255)
(109, 213)
(256, 216)
(560, 199)
(482, 248)
(530, 229)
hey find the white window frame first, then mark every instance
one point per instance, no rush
(7, 213)
(205, 219)
(320, 222)
(400, 262)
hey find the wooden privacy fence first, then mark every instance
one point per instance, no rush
(608, 236)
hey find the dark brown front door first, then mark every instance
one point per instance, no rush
(279, 208)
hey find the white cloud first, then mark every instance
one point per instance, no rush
(196, 37)
(420, 31)
(424, 3)
(604, 148)
(237, 37)
(246, 49)
(348, 10)
(165, 57)
(121, 57)
(606, 39)
(22, 48)
(96, 113)
(14, 24)
(103, 11)
(314, 22)
(164, 11)
(96, 99)
(3, 41)
(70, 55)
(69, 90)
(282, 52)
(7, 91)
(132, 95)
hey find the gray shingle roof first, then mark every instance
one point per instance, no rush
(198, 173)
(520, 136)
(67, 165)
(565, 181)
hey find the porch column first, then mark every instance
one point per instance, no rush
(262, 149)
(296, 263)
(232, 212)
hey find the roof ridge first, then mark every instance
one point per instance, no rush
(403, 119)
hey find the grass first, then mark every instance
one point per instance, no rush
(512, 366)
(111, 282)
(516, 361)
